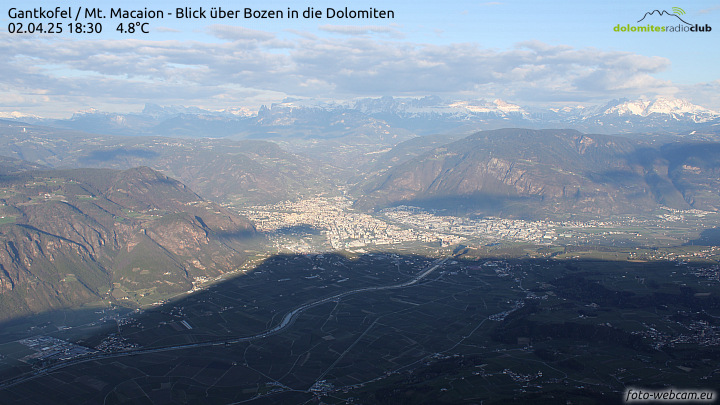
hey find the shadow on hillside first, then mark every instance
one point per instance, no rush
(13, 178)
(700, 154)
(236, 234)
(687, 163)
(298, 230)
(107, 155)
(332, 267)
(480, 204)
(708, 237)
(616, 177)
(588, 298)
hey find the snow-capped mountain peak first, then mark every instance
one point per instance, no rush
(497, 106)
(678, 108)
(17, 115)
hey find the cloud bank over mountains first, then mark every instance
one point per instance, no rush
(247, 67)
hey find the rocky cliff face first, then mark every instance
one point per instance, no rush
(520, 171)
(69, 237)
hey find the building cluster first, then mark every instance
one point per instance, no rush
(486, 228)
(710, 273)
(697, 332)
(500, 316)
(115, 343)
(322, 386)
(331, 222)
(52, 349)
(340, 225)
(519, 377)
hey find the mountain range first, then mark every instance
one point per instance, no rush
(540, 173)
(71, 237)
(246, 171)
(90, 217)
(385, 119)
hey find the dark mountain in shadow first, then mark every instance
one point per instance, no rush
(106, 155)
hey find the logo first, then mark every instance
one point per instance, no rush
(661, 13)
(678, 10)
(663, 22)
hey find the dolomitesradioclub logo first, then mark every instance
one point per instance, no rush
(665, 22)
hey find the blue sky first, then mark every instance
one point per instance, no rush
(525, 52)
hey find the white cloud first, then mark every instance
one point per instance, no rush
(704, 94)
(235, 33)
(361, 30)
(252, 63)
(709, 10)
(165, 29)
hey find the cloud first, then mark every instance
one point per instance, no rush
(358, 30)
(303, 34)
(704, 94)
(235, 33)
(16, 101)
(709, 10)
(165, 29)
(251, 65)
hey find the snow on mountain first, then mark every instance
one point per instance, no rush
(240, 111)
(569, 109)
(677, 108)
(430, 114)
(16, 115)
(309, 103)
(497, 106)
(433, 105)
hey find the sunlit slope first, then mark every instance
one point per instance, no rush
(76, 236)
(532, 172)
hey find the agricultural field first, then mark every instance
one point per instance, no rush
(473, 328)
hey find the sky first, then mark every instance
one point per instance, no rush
(529, 53)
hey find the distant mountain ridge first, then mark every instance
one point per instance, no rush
(224, 170)
(379, 117)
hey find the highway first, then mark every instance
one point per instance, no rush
(292, 315)
(286, 322)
